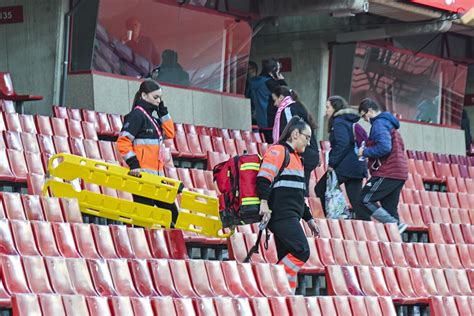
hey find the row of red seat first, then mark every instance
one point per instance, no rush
(423, 156)
(76, 240)
(444, 158)
(404, 285)
(418, 217)
(39, 208)
(106, 124)
(45, 125)
(111, 124)
(68, 305)
(140, 277)
(438, 199)
(345, 229)
(451, 233)
(438, 172)
(334, 251)
(193, 146)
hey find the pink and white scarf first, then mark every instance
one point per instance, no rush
(276, 125)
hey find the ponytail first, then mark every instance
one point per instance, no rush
(146, 86)
(285, 92)
(296, 123)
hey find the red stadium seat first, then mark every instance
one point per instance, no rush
(65, 240)
(59, 127)
(142, 277)
(46, 144)
(90, 116)
(233, 280)
(101, 277)
(104, 242)
(18, 164)
(74, 128)
(77, 147)
(98, 306)
(59, 275)
(91, 148)
(182, 146)
(61, 144)
(52, 305)
(163, 306)
(162, 278)
(265, 280)
(139, 243)
(13, 205)
(106, 150)
(80, 277)
(30, 142)
(75, 305)
(216, 278)
(74, 114)
(60, 111)
(121, 241)
(195, 147)
(158, 244)
(181, 278)
(32, 207)
(122, 277)
(327, 306)
(104, 127)
(35, 271)
(342, 281)
(12, 122)
(45, 239)
(27, 123)
(89, 130)
(71, 210)
(26, 304)
(185, 177)
(24, 238)
(116, 123)
(85, 241)
(13, 140)
(200, 281)
(52, 209)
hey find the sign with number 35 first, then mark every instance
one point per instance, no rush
(10, 15)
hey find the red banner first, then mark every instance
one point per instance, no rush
(461, 6)
(10, 15)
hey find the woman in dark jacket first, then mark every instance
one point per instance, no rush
(288, 105)
(349, 169)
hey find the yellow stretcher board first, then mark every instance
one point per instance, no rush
(202, 211)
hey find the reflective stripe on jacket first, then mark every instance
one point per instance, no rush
(139, 143)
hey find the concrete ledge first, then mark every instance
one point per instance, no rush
(114, 94)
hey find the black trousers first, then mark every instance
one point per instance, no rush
(290, 238)
(384, 191)
(353, 190)
(172, 207)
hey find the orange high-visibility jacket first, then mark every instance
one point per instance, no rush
(139, 142)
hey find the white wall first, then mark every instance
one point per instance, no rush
(424, 137)
(32, 51)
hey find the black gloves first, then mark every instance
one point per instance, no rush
(162, 110)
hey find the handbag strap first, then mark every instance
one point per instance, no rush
(158, 131)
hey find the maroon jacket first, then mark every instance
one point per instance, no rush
(385, 148)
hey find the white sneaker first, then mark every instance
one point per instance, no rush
(402, 227)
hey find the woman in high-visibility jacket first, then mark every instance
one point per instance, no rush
(140, 141)
(282, 198)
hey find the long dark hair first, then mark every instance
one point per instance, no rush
(296, 123)
(338, 103)
(147, 86)
(285, 91)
